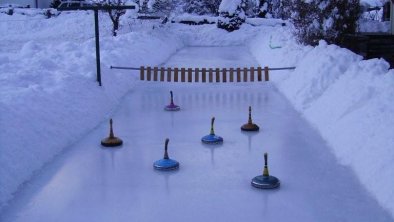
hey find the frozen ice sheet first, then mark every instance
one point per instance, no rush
(92, 183)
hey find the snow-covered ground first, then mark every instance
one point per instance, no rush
(49, 99)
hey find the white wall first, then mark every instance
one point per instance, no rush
(32, 3)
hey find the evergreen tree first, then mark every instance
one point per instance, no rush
(231, 14)
(324, 19)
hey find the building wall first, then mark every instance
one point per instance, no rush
(32, 3)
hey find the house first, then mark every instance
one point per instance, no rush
(32, 3)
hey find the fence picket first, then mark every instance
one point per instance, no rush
(168, 74)
(148, 73)
(162, 70)
(183, 74)
(176, 74)
(155, 73)
(189, 75)
(196, 74)
(245, 74)
(231, 74)
(142, 73)
(224, 77)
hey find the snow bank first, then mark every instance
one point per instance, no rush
(349, 100)
(49, 97)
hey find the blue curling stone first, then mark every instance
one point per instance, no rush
(212, 139)
(166, 164)
(265, 182)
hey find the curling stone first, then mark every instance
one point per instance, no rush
(172, 106)
(250, 126)
(111, 141)
(212, 138)
(265, 181)
(166, 163)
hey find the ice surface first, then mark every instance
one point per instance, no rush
(92, 183)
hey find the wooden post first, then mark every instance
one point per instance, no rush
(142, 73)
(176, 74)
(196, 74)
(189, 75)
(210, 71)
(224, 73)
(204, 75)
(231, 74)
(259, 74)
(162, 70)
(238, 74)
(148, 73)
(168, 74)
(252, 74)
(217, 75)
(155, 73)
(267, 78)
(245, 74)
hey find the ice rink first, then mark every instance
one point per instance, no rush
(90, 183)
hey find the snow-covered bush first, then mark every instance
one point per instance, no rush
(201, 7)
(231, 14)
(324, 19)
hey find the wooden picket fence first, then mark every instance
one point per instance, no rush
(204, 74)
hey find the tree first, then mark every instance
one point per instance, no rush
(114, 14)
(202, 7)
(324, 19)
(231, 14)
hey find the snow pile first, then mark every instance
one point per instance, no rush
(349, 100)
(229, 6)
(49, 97)
(194, 18)
(265, 22)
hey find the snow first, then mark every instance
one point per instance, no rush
(347, 99)
(229, 6)
(53, 111)
(49, 94)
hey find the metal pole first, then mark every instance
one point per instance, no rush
(392, 16)
(96, 28)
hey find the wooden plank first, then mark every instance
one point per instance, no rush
(259, 74)
(183, 74)
(148, 73)
(189, 75)
(266, 74)
(176, 70)
(224, 74)
(204, 75)
(231, 74)
(245, 74)
(162, 71)
(168, 74)
(252, 74)
(238, 74)
(210, 71)
(142, 73)
(217, 74)
(196, 74)
(155, 73)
